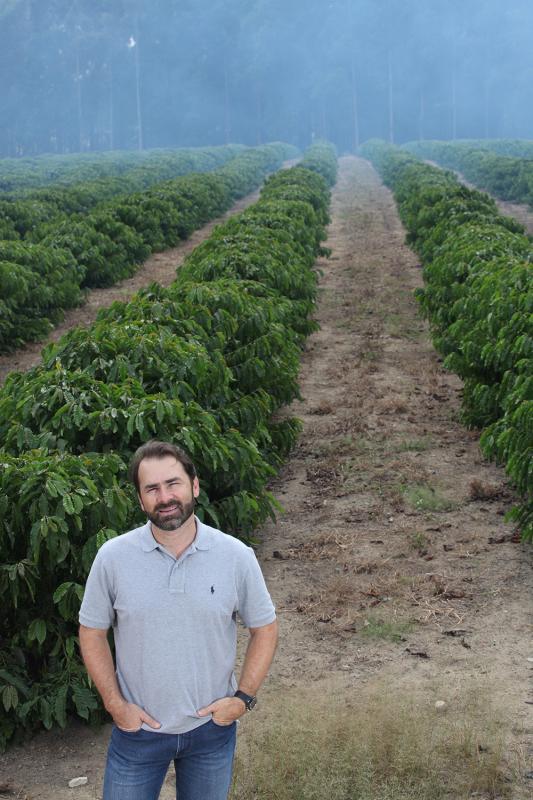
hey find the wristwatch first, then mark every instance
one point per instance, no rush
(248, 699)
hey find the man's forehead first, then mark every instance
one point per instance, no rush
(157, 470)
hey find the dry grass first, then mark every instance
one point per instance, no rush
(374, 744)
(322, 545)
(484, 491)
(393, 405)
(323, 408)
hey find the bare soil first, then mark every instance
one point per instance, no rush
(392, 563)
(519, 211)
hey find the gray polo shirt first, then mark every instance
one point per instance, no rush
(174, 620)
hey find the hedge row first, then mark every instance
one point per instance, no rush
(47, 271)
(25, 212)
(506, 177)
(516, 148)
(321, 157)
(206, 363)
(479, 300)
(21, 176)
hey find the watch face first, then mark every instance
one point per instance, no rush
(252, 702)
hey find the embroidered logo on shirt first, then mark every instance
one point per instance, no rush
(212, 590)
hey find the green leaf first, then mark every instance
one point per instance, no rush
(60, 706)
(61, 591)
(84, 700)
(68, 505)
(14, 681)
(10, 697)
(37, 630)
(104, 535)
(70, 646)
(159, 411)
(46, 713)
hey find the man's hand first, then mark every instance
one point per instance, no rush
(129, 717)
(224, 711)
(257, 660)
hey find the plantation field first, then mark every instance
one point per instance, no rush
(56, 242)
(506, 174)
(159, 268)
(397, 581)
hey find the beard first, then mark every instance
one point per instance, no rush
(180, 515)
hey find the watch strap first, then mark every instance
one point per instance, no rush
(248, 699)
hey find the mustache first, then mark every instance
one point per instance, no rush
(163, 506)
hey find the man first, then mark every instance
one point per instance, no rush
(171, 591)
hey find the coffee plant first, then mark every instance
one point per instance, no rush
(206, 363)
(107, 231)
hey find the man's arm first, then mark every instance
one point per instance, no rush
(257, 661)
(99, 662)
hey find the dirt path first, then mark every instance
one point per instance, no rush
(160, 267)
(393, 562)
(519, 211)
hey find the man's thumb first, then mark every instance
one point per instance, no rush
(150, 720)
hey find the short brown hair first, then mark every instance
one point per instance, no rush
(155, 449)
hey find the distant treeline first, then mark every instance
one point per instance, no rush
(83, 75)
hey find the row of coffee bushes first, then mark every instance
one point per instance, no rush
(506, 177)
(479, 300)
(25, 212)
(114, 237)
(207, 364)
(321, 157)
(46, 266)
(20, 176)
(516, 148)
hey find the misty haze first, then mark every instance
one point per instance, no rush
(80, 75)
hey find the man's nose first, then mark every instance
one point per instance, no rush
(165, 495)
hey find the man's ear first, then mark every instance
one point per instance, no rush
(140, 502)
(195, 487)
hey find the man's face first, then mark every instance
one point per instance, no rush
(166, 493)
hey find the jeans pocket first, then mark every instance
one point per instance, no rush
(224, 727)
(128, 733)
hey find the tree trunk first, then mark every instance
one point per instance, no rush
(391, 98)
(227, 114)
(355, 110)
(353, 79)
(454, 108)
(79, 103)
(454, 92)
(486, 91)
(323, 118)
(421, 117)
(138, 86)
(111, 106)
(258, 114)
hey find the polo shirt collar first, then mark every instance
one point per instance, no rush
(202, 540)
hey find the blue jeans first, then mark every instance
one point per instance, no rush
(138, 762)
